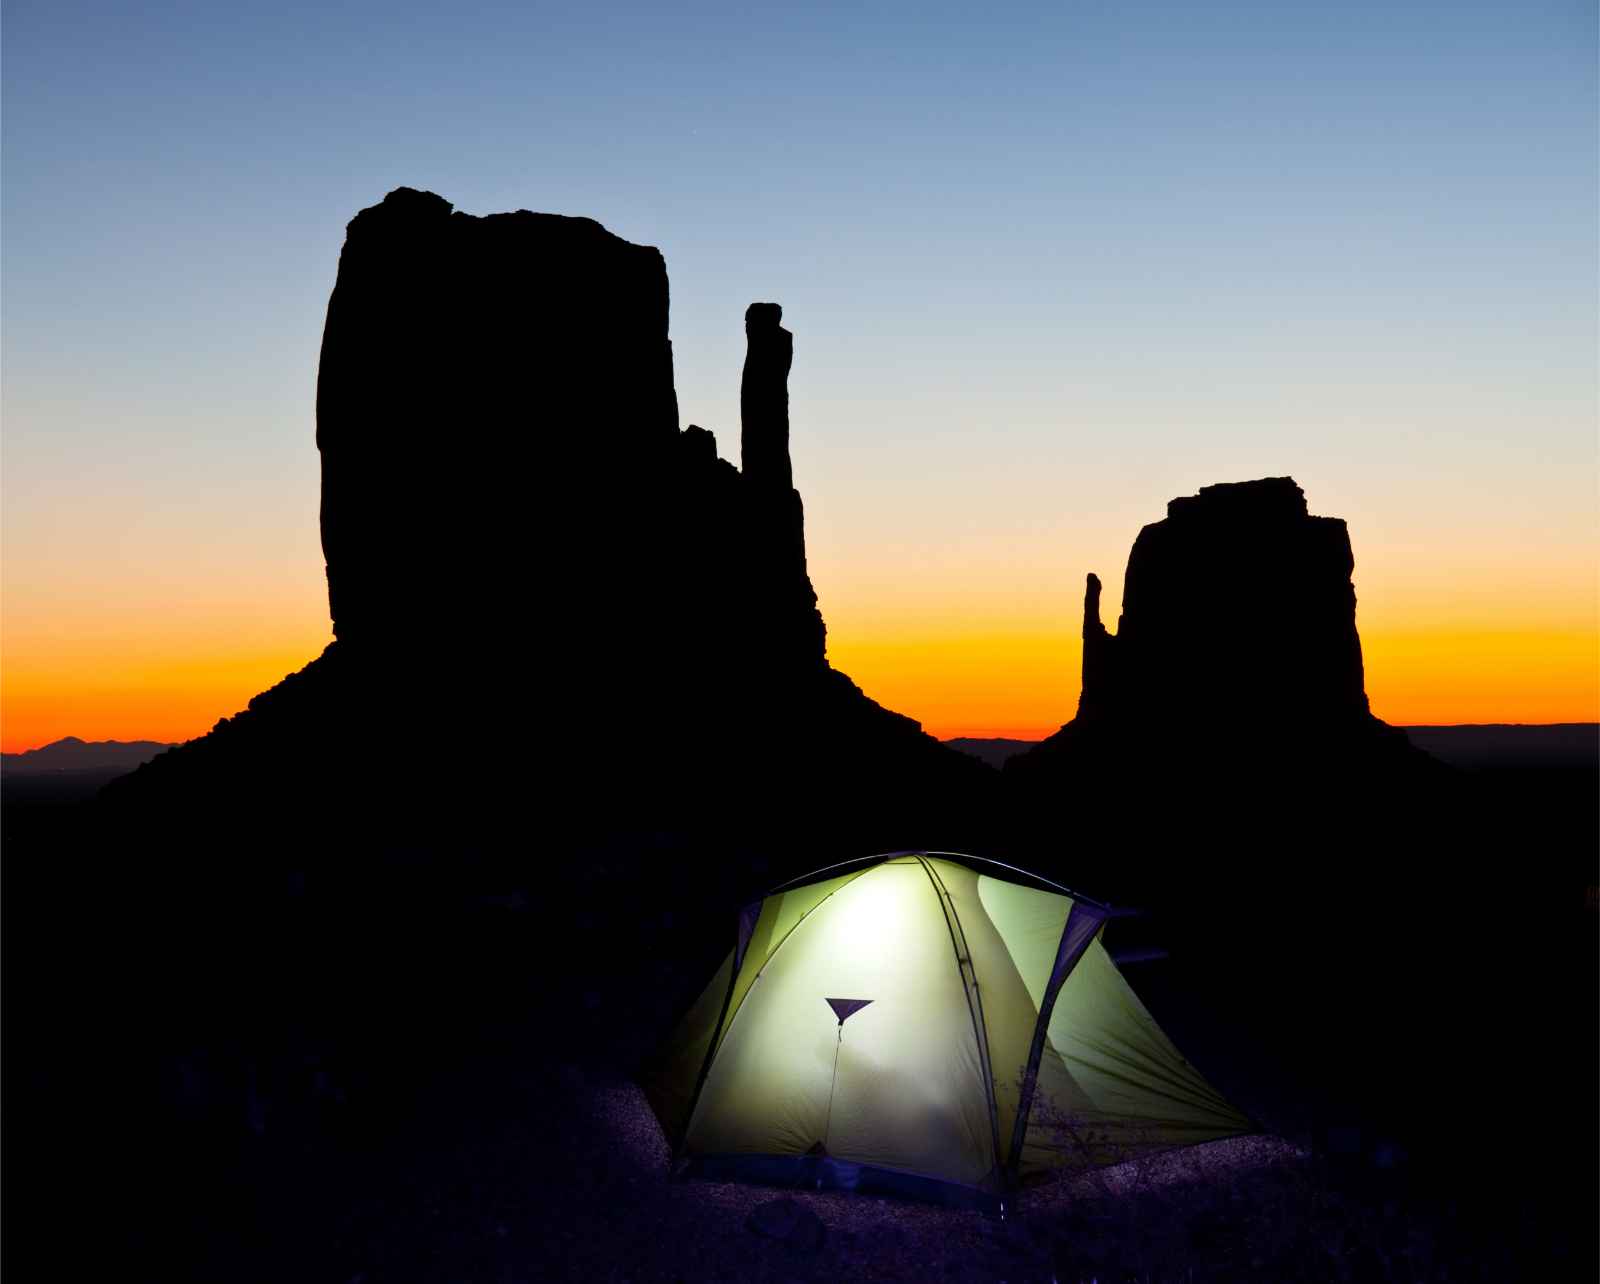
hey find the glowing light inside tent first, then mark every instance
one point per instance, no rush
(882, 935)
(854, 1040)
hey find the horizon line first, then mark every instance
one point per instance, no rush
(1031, 738)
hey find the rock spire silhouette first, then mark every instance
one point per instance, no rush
(764, 398)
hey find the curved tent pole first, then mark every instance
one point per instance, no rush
(1017, 869)
(806, 878)
(748, 914)
(980, 1028)
(998, 864)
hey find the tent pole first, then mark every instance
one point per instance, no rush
(1083, 922)
(974, 997)
(748, 916)
(682, 1138)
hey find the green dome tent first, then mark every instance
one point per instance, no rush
(916, 1025)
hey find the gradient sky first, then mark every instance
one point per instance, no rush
(1047, 266)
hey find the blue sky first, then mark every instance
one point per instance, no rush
(1047, 265)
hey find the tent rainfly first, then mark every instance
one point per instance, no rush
(920, 1027)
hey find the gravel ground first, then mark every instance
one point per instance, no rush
(551, 1170)
(577, 1187)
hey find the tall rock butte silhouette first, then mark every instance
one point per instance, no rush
(1236, 656)
(543, 593)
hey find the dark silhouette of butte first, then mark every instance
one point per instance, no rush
(523, 549)
(548, 599)
(1234, 682)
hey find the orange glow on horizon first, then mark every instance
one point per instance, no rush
(1025, 687)
(169, 676)
(130, 661)
(172, 699)
(1455, 676)
(1021, 687)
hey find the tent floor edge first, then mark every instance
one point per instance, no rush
(822, 1172)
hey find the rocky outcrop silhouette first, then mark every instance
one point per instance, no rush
(1236, 651)
(522, 547)
(1239, 605)
(764, 398)
(491, 392)
(779, 595)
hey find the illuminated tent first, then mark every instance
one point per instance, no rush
(916, 1025)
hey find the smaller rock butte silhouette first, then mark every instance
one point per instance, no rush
(1236, 650)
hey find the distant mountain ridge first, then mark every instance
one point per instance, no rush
(1479, 744)
(1512, 744)
(994, 750)
(72, 754)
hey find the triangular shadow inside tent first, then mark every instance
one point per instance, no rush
(843, 1008)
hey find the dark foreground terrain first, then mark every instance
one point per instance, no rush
(260, 1066)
